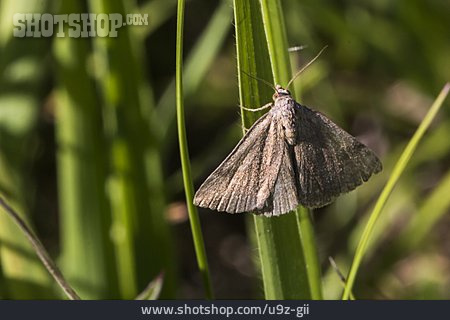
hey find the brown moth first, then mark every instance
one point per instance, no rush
(291, 155)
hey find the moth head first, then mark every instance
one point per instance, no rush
(280, 91)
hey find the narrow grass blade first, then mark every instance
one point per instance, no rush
(40, 250)
(280, 249)
(418, 233)
(396, 173)
(87, 257)
(185, 162)
(274, 26)
(310, 251)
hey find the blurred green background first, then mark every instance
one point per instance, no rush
(89, 152)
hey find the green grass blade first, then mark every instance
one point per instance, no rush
(185, 163)
(418, 233)
(140, 232)
(309, 245)
(274, 26)
(280, 249)
(40, 250)
(396, 173)
(86, 253)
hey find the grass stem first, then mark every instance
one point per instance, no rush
(185, 163)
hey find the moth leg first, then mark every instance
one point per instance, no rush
(258, 109)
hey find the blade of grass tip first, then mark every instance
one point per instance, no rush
(153, 289)
(396, 173)
(184, 155)
(274, 26)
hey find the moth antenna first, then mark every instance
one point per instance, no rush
(262, 80)
(306, 66)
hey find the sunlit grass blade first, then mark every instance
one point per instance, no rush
(280, 250)
(86, 253)
(418, 233)
(274, 27)
(310, 252)
(273, 20)
(185, 162)
(396, 173)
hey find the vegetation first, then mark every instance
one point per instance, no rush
(89, 154)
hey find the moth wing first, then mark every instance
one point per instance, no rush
(244, 181)
(329, 160)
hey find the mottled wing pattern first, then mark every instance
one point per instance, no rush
(329, 160)
(245, 179)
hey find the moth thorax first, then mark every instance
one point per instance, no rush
(280, 91)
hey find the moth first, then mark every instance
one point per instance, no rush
(292, 155)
